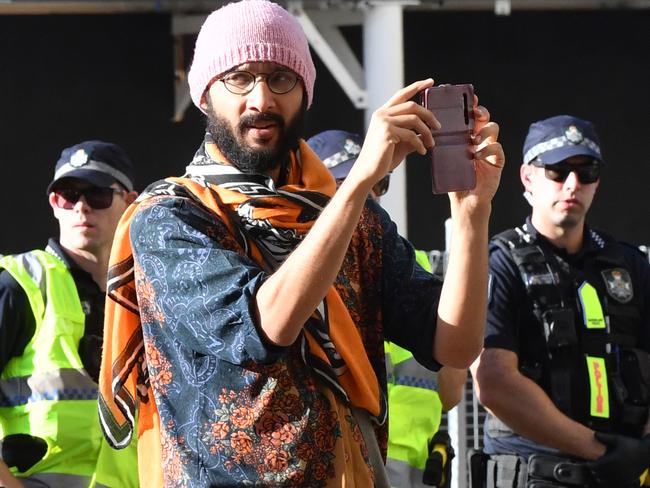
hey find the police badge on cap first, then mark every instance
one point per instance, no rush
(79, 158)
(619, 284)
(97, 162)
(555, 139)
(573, 135)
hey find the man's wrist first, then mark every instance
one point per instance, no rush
(470, 209)
(594, 449)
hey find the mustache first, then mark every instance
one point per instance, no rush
(254, 118)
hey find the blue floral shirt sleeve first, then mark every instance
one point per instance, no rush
(204, 291)
(410, 296)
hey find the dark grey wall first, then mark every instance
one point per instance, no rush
(534, 65)
(64, 79)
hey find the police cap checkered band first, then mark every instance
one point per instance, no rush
(337, 149)
(556, 143)
(100, 163)
(351, 151)
(68, 170)
(557, 138)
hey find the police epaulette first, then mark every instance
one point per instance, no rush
(510, 239)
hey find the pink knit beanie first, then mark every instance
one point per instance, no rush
(248, 31)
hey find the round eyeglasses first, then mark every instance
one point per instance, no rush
(243, 82)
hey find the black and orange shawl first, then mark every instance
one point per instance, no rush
(269, 222)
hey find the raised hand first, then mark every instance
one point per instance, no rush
(489, 160)
(398, 128)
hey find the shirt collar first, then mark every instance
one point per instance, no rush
(82, 278)
(55, 249)
(589, 244)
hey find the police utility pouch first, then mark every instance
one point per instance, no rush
(556, 469)
(559, 328)
(635, 369)
(452, 162)
(477, 464)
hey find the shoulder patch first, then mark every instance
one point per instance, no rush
(619, 284)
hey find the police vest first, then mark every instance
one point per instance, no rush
(593, 369)
(46, 393)
(415, 411)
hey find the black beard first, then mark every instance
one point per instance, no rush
(247, 159)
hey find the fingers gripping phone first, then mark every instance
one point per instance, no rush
(452, 161)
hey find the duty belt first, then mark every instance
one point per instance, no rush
(540, 471)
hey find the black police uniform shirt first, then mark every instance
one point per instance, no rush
(511, 324)
(17, 322)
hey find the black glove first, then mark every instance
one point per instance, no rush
(625, 460)
(22, 451)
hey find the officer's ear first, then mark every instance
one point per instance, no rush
(130, 196)
(525, 173)
(51, 198)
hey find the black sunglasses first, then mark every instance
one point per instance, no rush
(586, 172)
(381, 187)
(96, 197)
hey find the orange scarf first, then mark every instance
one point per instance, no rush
(124, 387)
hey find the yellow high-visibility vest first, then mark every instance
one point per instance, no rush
(46, 391)
(415, 411)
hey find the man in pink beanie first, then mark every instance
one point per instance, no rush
(262, 297)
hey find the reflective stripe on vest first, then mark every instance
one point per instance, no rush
(592, 311)
(411, 373)
(57, 479)
(64, 384)
(402, 475)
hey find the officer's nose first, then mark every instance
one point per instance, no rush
(82, 205)
(572, 180)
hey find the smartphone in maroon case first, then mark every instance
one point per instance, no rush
(452, 162)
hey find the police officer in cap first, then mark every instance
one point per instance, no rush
(51, 331)
(565, 370)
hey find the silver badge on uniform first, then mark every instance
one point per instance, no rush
(619, 284)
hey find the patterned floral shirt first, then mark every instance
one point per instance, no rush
(234, 409)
